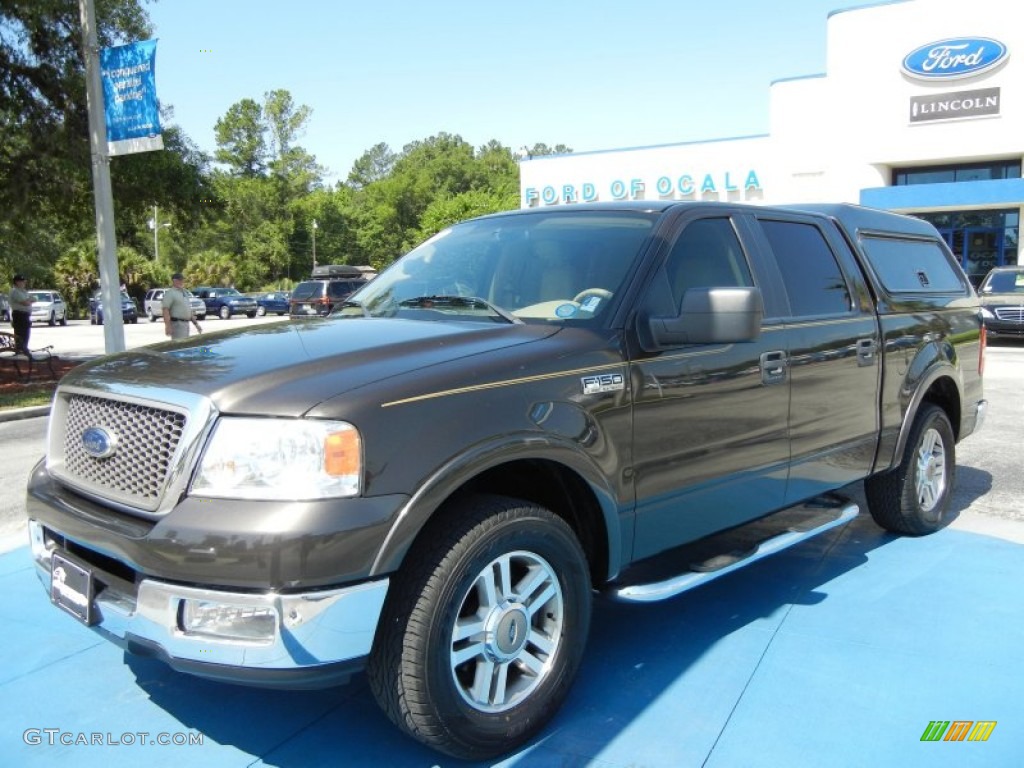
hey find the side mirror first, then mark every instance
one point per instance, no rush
(709, 316)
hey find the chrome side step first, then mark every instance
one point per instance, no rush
(824, 514)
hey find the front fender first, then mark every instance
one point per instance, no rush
(461, 469)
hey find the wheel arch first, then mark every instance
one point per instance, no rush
(558, 478)
(940, 388)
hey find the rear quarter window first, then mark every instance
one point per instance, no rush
(310, 290)
(913, 266)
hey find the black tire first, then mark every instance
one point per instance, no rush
(152, 317)
(914, 497)
(225, 313)
(53, 320)
(250, 315)
(443, 581)
(64, 319)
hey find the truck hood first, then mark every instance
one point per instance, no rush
(287, 368)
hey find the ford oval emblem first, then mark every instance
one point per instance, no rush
(99, 442)
(955, 58)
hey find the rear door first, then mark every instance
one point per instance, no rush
(832, 338)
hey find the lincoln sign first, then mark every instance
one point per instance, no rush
(954, 106)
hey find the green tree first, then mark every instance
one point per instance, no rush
(374, 164)
(241, 139)
(45, 166)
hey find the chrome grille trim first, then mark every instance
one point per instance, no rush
(161, 432)
(1010, 314)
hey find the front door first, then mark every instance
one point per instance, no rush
(710, 420)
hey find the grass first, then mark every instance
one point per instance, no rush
(29, 395)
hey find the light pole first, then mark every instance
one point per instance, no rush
(155, 225)
(314, 243)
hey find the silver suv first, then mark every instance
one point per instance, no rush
(153, 305)
(48, 306)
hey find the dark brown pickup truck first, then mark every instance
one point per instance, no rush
(525, 410)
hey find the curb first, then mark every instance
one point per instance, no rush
(15, 414)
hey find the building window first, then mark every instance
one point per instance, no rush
(945, 174)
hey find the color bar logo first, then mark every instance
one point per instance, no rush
(958, 730)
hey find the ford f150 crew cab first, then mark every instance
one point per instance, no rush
(528, 408)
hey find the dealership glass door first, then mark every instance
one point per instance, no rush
(984, 250)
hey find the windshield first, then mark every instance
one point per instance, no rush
(558, 266)
(1004, 282)
(41, 296)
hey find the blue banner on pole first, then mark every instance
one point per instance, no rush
(128, 73)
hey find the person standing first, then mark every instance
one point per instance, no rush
(21, 314)
(177, 310)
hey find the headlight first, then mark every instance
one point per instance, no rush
(288, 459)
(987, 313)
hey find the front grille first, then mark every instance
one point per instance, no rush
(1010, 314)
(147, 440)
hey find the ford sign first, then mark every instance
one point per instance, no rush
(954, 58)
(98, 442)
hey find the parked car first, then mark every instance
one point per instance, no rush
(328, 286)
(5, 308)
(49, 306)
(1002, 301)
(153, 305)
(271, 301)
(129, 309)
(225, 302)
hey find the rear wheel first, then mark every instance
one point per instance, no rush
(52, 320)
(484, 629)
(914, 497)
(64, 319)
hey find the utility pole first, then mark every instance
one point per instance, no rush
(314, 243)
(113, 322)
(155, 225)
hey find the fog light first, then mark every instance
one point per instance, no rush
(223, 621)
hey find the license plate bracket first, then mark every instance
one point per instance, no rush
(71, 588)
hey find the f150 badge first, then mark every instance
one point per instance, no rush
(605, 382)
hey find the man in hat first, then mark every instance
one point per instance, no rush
(21, 314)
(177, 310)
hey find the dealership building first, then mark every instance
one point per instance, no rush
(920, 110)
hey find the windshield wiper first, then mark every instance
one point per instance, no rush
(426, 302)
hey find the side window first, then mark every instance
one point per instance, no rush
(814, 282)
(706, 255)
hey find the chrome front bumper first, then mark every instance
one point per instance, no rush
(313, 631)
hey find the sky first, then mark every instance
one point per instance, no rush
(594, 75)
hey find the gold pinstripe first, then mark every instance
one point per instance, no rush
(504, 383)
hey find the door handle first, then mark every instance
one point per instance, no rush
(773, 367)
(866, 349)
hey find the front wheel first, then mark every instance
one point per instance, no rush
(484, 628)
(53, 319)
(261, 311)
(914, 497)
(225, 313)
